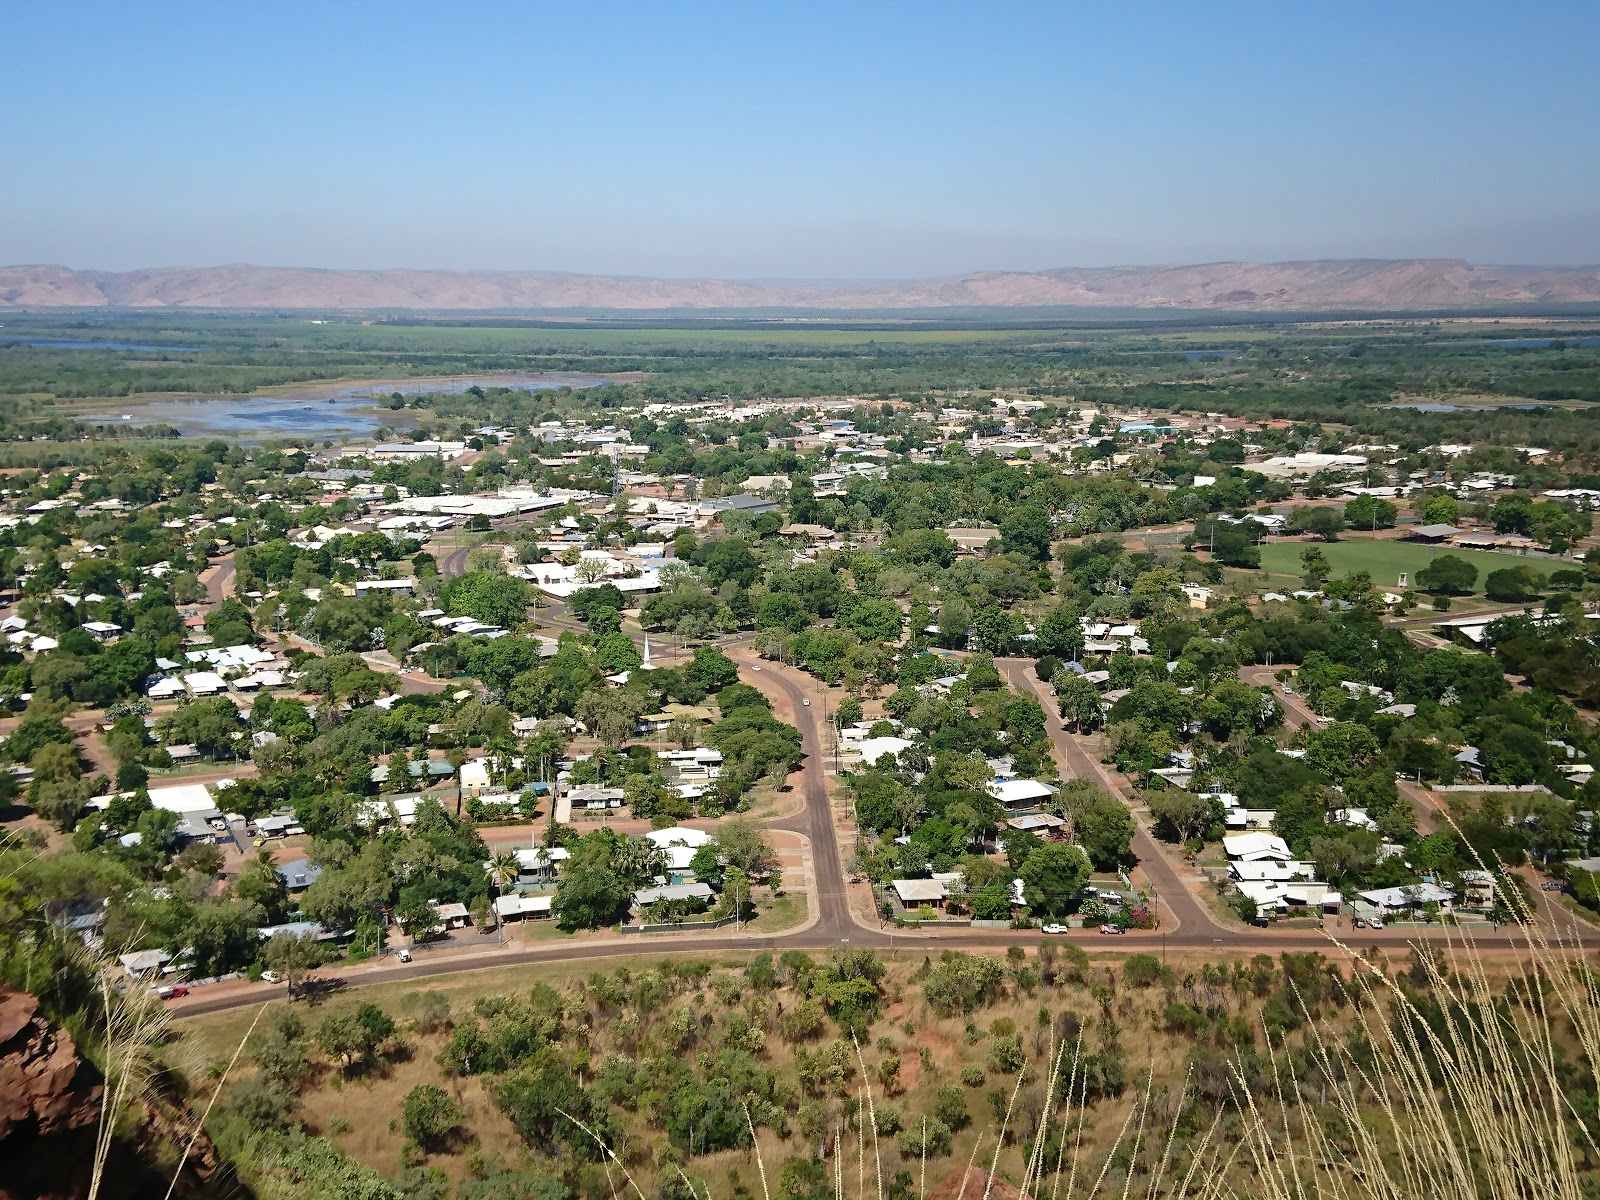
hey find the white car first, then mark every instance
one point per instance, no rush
(404, 956)
(755, 667)
(1055, 928)
(807, 703)
(271, 977)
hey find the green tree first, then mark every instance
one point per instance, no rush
(1053, 876)
(1448, 575)
(1369, 512)
(1314, 567)
(1441, 510)
(1027, 530)
(292, 956)
(1078, 700)
(487, 596)
(430, 1115)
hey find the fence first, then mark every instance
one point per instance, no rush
(675, 926)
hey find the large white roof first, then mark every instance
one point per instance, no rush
(679, 835)
(1019, 791)
(1256, 845)
(183, 798)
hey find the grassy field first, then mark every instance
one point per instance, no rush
(1386, 559)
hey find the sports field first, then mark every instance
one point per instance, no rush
(1385, 560)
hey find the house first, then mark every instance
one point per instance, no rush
(277, 827)
(1256, 847)
(914, 893)
(1478, 889)
(537, 864)
(971, 539)
(1354, 818)
(204, 683)
(1276, 896)
(506, 907)
(1036, 823)
(297, 874)
(872, 749)
(1262, 870)
(101, 631)
(595, 798)
(1402, 899)
(165, 688)
(184, 798)
(143, 963)
(723, 505)
(1017, 792)
(364, 586)
(475, 776)
(451, 916)
(673, 892)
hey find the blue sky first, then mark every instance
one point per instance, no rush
(815, 140)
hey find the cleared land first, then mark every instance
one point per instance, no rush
(1384, 560)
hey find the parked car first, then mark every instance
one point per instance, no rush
(271, 977)
(1112, 929)
(170, 991)
(405, 956)
(1054, 928)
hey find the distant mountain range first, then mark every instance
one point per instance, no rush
(1367, 285)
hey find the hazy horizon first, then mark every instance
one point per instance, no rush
(832, 142)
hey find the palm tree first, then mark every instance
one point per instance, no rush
(504, 869)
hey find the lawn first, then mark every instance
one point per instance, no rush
(1386, 559)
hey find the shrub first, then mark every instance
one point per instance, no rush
(932, 1140)
(972, 1075)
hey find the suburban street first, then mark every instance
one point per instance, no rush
(1186, 925)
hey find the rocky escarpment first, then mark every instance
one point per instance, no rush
(50, 1098)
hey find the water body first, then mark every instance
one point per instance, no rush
(316, 412)
(56, 344)
(1436, 406)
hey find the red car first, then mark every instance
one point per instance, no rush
(172, 992)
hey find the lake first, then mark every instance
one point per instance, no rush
(316, 412)
(1438, 406)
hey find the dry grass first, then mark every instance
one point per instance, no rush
(1371, 1100)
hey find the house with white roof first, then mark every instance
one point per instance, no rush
(871, 749)
(1015, 793)
(1256, 847)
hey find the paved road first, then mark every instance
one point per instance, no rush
(1186, 925)
(815, 821)
(1182, 913)
(1296, 712)
(219, 581)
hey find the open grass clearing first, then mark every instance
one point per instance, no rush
(1385, 559)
